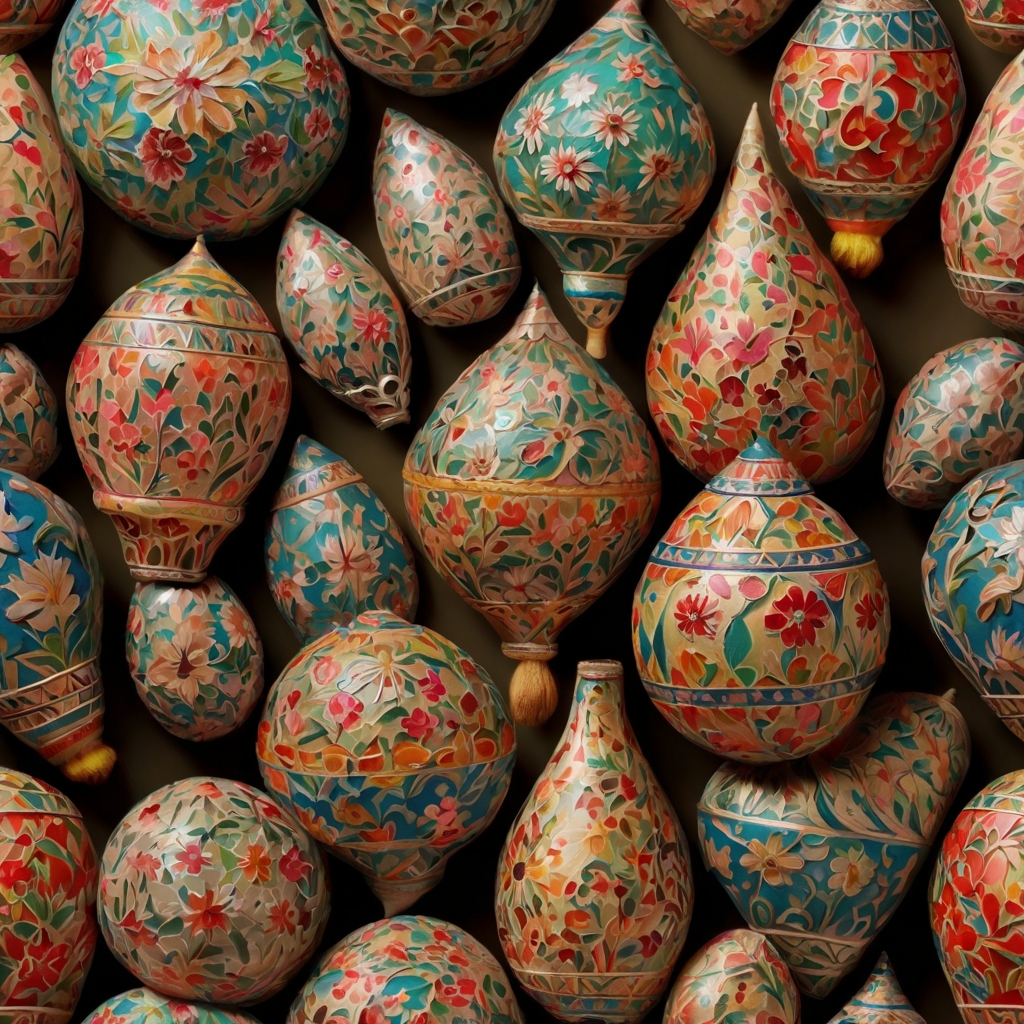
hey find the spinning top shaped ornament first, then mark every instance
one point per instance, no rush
(868, 100)
(997, 23)
(530, 486)
(759, 338)
(28, 415)
(605, 153)
(879, 1001)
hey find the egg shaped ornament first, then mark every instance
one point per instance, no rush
(210, 892)
(738, 975)
(446, 236)
(961, 413)
(144, 1006)
(759, 338)
(868, 100)
(177, 399)
(594, 891)
(997, 23)
(41, 230)
(28, 415)
(195, 657)
(880, 1000)
(604, 154)
(51, 611)
(840, 834)
(409, 969)
(47, 902)
(392, 747)
(761, 621)
(332, 550)
(344, 321)
(729, 25)
(531, 485)
(199, 116)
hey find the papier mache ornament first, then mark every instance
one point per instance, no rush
(594, 891)
(759, 338)
(961, 413)
(48, 927)
(343, 320)
(28, 415)
(211, 892)
(880, 1000)
(24, 21)
(446, 236)
(868, 101)
(818, 854)
(530, 486)
(729, 25)
(997, 23)
(51, 611)
(604, 154)
(761, 621)
(332, 550)
(393, 748)
(144, 1006)
(429, 969)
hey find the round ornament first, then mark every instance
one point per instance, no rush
(144, 1006)
(24, 21)
(997, 23)
(28, 415)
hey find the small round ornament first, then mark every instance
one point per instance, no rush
(729, 25)
(209, 891)
(144, 1006)
(425, 970)
(880, 1000)
(28, 415)
(197, 116)
(761, 621)
(195, 657)
(997, 23)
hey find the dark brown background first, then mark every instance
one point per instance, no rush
(910, 308)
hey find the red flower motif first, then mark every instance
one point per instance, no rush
(372, 324)
(345, 709)
(420, 725)
(433, 688)
(696, 616)
(192, 859)
(511, 514)
(203, 914)
(869, 608)
(293, 865)
(44, 964)
(282, 918)
(264, 152)
(320, 68)
(732, 391)
(317, 123)
(29, 152)
(797, 616)
(164, 156)
(85, 62)
(12, 872)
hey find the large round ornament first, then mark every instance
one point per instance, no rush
(759, 338)
(199, 117)
(392, 747)
(211, 892)
(761, 621)
(144, 1006)
(177, 399)
(47, 902)
(997, 23)
(880, 1000)
(425, 970)
(729, 25)
(868, 100)
(28, 415)
(605, 153)
(531, 485)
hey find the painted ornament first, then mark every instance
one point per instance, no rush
(604, 154)
(759, 338)
(839, 835)
(963, 412)
(392, 747)
(28, 415)
(729, 25)
(434, 47)
(47, 902)
(343, 320)
(51, 611)
(530, 486)
(446, 236)
(411, 969)
(594, 890)
(332, 550)
(177, 399)
(144, 1006)
(195, 657)
(997, 23)
(880, 1000)
(258, 123)
(41, 229)
(24, 21)
(761, 621)
(211, 892)
(738, 976)
(868, 100)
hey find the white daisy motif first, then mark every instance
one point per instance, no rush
(612, 123)
(569, 170)
(577, 89)
(534, 121)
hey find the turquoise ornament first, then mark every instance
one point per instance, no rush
(880, 1000)
(144, 1006)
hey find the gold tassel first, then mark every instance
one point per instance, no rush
(533, 695)
(858, 254)
(91, 766)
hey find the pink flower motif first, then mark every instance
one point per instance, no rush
(264, 152)
(750, 345)
(164, 156)
(372, 324)
(317, 123)
(433, 688)
(420, 725)
(85, 62)
(261, 29)
(446, 814)
(192, 859)
(345, 709)
(293, 865)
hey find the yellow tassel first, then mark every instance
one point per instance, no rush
(533, 694)
(597, 341)
(91, 766)
(858, 254)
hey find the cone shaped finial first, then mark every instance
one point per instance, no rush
(879, 1001)
(760, 470)
(751, 154)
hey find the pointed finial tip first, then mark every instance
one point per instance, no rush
(760, 450)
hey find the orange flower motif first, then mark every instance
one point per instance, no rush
(256, 863)
(204, 914)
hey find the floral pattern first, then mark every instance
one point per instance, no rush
(761, 621)
(759, 338)
(393, 748)
(144, 1006)
(997, 23)
(446, 236)
(962, 413)
(28, 415)
(210, 891)
(195, 657)
(343, 320)
(604, 153)
(47, 896)
(200, 116)
(729, 25)
(880, 997)
(24, 21)
(594, 890)
(817, 854)
(332, 549)
(177, 399)
(408, 969)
